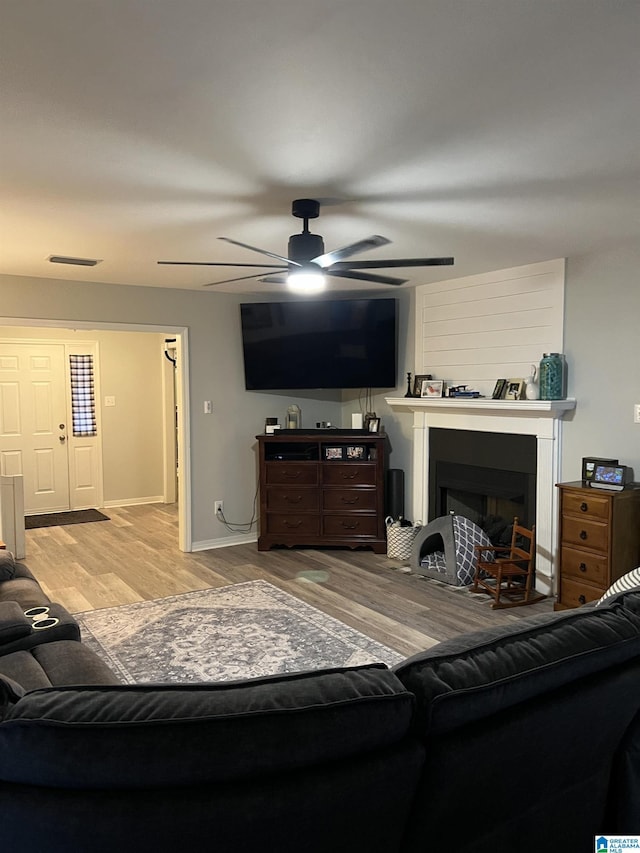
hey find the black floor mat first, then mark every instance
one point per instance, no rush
(58, 519)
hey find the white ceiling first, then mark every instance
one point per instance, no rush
(502, 132)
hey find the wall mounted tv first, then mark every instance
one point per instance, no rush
(331, 343)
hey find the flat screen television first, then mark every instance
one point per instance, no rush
(331, 343)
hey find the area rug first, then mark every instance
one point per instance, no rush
(59, 519)
(244, 630)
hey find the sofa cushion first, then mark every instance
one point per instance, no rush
(149, 735)
(7, 565)
(484, 672)
(10, 693)
(13, 622)
(58, 663)
(56, 624)
(23, 588)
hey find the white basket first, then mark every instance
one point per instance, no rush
(400, 539)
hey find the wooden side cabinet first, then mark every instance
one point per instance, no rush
(322, 489)
(599, 541)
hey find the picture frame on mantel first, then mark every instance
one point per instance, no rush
(499, 389)
(514, 389)
(417, 383)
(432, 388)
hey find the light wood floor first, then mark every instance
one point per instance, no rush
(134, 557)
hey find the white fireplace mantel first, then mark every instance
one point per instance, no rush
(540, 418)
(476, 405)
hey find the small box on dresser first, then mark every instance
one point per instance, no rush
(599, 541)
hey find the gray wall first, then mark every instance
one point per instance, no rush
(602, 345)
(223, 443)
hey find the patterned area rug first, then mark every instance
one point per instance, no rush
(240, 631)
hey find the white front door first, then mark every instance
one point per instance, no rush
(33, 423)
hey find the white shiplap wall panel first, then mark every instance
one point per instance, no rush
(480, 328)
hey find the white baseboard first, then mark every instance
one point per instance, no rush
(225, 542)
(154, 499)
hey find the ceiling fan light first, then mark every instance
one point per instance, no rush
(306, 281)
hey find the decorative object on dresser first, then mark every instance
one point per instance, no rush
(589, 464)
(322, 489)
(599, 541)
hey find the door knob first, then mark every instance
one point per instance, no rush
(62, 438)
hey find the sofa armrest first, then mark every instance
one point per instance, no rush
(40, 624)
(13, 623)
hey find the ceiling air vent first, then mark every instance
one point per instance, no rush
(78, 262)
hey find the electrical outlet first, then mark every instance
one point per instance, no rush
(218, 508)
(636, 413)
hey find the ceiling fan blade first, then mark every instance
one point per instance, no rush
(274, 279)
(261, 251)
(216, 264)
(361, 276)
(228, 280)
(394, 262)
(329, 258)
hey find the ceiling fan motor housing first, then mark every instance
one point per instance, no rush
(304, 247)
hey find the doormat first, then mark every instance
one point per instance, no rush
(58, 519)
(232, 632)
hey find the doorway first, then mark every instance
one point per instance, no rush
(180, 412)
(48, 426)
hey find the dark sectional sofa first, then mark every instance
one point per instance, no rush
(521, 738)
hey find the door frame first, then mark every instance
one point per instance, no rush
(181, 334)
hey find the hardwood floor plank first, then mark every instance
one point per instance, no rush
(135, 557)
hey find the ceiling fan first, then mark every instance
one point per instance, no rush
(308, 263)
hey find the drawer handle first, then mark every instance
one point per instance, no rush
(292, 523)
(351, 476)
(583, 534)
(583, 567)
(584, 506)
(290, 475)
(582, 599)
(350, 501)
(350, 526)
(292, 500)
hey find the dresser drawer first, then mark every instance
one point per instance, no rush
(300, 473)
(584, 566)
(337, 474)
(585, 533)
(288, 499)
(294, 525)
(350, 525)
(349, 499)
(575, 594)
(591, 505)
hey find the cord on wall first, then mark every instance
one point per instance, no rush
(237, 526)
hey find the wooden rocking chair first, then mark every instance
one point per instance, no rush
(506, 572)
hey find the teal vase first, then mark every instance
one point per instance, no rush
(552, 377)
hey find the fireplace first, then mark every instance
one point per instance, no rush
(539, 421)
(487, 477)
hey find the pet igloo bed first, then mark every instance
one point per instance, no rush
(444, 549)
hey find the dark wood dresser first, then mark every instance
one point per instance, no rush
(322, 488)
(599, 541)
